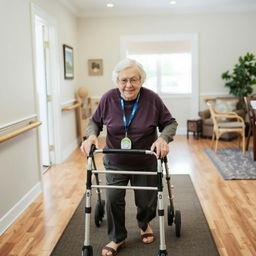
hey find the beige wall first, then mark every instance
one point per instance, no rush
(19, 169)
(222, 39)
(19, 157)
(16, 79)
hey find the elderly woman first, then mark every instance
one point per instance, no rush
(132, 115)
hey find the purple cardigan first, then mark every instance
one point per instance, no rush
(150, 115)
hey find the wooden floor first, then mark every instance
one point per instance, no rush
(229, 206)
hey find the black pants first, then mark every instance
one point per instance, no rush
(145, 201)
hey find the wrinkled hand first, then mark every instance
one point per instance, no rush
(161, 147)
(86, 145)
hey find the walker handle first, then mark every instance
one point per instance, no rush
(93, 148)
(125, 151)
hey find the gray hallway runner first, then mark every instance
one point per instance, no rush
(195, 240)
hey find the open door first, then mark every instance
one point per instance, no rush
(44, 90)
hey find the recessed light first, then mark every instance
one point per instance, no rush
(110, 5)
(172, 2)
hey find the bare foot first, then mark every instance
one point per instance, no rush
(147, 236)
(106, 251)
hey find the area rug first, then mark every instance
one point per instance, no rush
(195, 239)
(233, 164)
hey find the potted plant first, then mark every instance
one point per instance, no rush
(243, 77)
(242, 80)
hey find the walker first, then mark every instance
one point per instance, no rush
(173, 216)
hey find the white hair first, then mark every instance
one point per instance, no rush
(128, 63)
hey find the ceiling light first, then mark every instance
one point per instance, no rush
(172, 2)
(110, 5)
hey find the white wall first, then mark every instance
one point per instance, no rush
(16, 79)
(222, 39)
(19, 157)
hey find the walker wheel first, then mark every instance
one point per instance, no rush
(177, 222)
(162, 253)
(87, 251)
(99, 212)
(170, 215)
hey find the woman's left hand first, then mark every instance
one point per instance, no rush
(161, 147)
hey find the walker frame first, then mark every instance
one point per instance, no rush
(173, 216)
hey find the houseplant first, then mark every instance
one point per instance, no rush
(243, 77)
(242, 80)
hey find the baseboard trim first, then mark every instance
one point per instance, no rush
(19, 207)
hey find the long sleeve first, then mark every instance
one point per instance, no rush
(169, 131)
(92, 128)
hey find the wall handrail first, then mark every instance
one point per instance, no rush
(75, 105)
(17, 122)
(31, 125)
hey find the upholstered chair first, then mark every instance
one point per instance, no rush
(221, 104)
(226, 122)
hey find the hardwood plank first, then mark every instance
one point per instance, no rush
(229, 206)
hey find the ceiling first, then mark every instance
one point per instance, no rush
(91, 8)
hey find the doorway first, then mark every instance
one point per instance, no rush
(44, 88)
(46, 78)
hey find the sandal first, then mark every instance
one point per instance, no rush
(147, 235)
(112, 250)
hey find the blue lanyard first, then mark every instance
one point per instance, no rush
(135, 106)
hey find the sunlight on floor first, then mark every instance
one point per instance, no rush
(180, 168)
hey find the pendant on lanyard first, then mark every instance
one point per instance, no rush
(126, 142)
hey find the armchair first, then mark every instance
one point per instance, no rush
(228, 122)
(223, 104)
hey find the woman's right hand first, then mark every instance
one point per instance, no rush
(86, 145)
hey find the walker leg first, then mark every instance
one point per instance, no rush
(87, 248)
(162, 253)
(87, 251)
(170, 208)
(162, 247)
(173, 215)
(100, 205)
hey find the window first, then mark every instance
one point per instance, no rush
(167, 73)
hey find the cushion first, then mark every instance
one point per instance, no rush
(230, 125)
(208, 121)
(225, 105)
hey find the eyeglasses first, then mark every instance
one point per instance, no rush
(133, 81)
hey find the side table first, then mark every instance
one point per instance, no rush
(195, 126)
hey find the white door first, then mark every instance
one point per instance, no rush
(43, 82)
